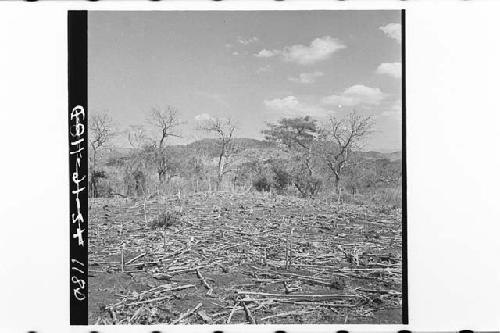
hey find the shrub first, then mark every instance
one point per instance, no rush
(262, 184)
(165, 220)
(281, 179)
(98, 186)
(384, 197)
(308, 186)
(392, 197)
(135, 183)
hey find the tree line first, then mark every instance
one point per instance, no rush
(312, 158)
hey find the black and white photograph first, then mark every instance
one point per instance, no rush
(249, 166)
(245, 167)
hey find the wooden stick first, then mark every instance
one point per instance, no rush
(249, 315)
(187, 314)
(121, 303)
(286, 314)
(390, 292)
(145, 212)
(113, 315)
(233, 310)
(330, 305)
(205, 317)
(122, 262)
(205, 283)
(306, 296)
(290, 249)
(286, 253)
(135, 258)
(164, 234)
(300, 277)
(136, 314)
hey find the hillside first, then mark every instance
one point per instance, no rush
(248, 149)
(375, 155)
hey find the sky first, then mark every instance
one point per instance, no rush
(253, 67)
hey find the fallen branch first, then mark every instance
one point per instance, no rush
(136, 314)
(205, 283)
(159, 298)
(249, 315)
(304, 296)
(135, 258)
(233, 310)
(300, 277)
(286, 314)
(205, 317)
(187, 314)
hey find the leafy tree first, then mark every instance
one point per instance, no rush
(281, 177)
(298, 136)
(293, 133)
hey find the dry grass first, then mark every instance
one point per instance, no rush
(236, 247)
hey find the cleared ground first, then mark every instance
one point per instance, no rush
(225, 261)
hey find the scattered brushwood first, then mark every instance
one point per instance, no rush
(249, 258)
(164, 221)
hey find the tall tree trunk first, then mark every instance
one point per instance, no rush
(218, 183)
(162, 175)
(93, 185)
(162, 165)
(337, 185)
(220, 171)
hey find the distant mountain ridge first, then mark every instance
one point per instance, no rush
(375, 155)
(250, 146)
(239, 142)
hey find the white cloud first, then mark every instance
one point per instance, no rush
(247, 41)
(264, 53)
(306, 78)
(392, 30)
(393, 69)
(282, 103)
(264, 69)
(290, 106)
(320, 49)
(202, 117)
(356, 95)
(395, 111)
(235, 53)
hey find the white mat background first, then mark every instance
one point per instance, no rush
(453, 146)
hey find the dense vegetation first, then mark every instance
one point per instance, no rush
(298, 157)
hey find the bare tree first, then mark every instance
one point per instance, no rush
(224, 130)
(137, 136)
(342, 137)
(100, 133)
(166, 122)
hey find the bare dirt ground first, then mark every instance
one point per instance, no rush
(225, 261)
